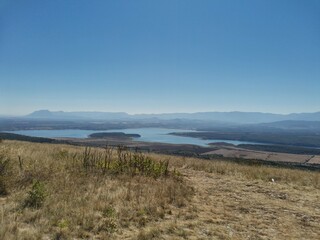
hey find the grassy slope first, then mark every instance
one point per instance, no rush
(198, 200)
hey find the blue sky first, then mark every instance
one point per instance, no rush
(159, 56)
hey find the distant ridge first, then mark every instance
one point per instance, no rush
(41, 113)
(230, 117)
(46, 114)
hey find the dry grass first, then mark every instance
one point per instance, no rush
(248, 172)
(81, 201)
(196, 199)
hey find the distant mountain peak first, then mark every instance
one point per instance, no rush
(40, 113)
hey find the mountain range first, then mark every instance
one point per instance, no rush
(227, 117)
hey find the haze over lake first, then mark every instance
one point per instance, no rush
(160, 135)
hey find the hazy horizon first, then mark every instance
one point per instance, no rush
(168, 56)
(137, 113)
(151, 113)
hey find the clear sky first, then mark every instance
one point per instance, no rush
(152, 56)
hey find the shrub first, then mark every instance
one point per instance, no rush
(109, 212)
(123, 162)
(4, 164)
(3, 187)
(36, 195)
(4, 171)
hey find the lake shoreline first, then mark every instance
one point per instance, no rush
(158, 135)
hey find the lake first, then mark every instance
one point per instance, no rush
(160, 135)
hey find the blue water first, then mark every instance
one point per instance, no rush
(160, 135)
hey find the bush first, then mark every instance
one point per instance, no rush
(4, 164)
(36, 195)
(3, 187)
(4, 172)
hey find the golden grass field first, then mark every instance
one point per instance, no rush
(48, 192)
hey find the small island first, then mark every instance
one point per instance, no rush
(114, 135)
(221, 144)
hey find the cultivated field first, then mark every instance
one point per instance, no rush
(51, 191)
(234, 152)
